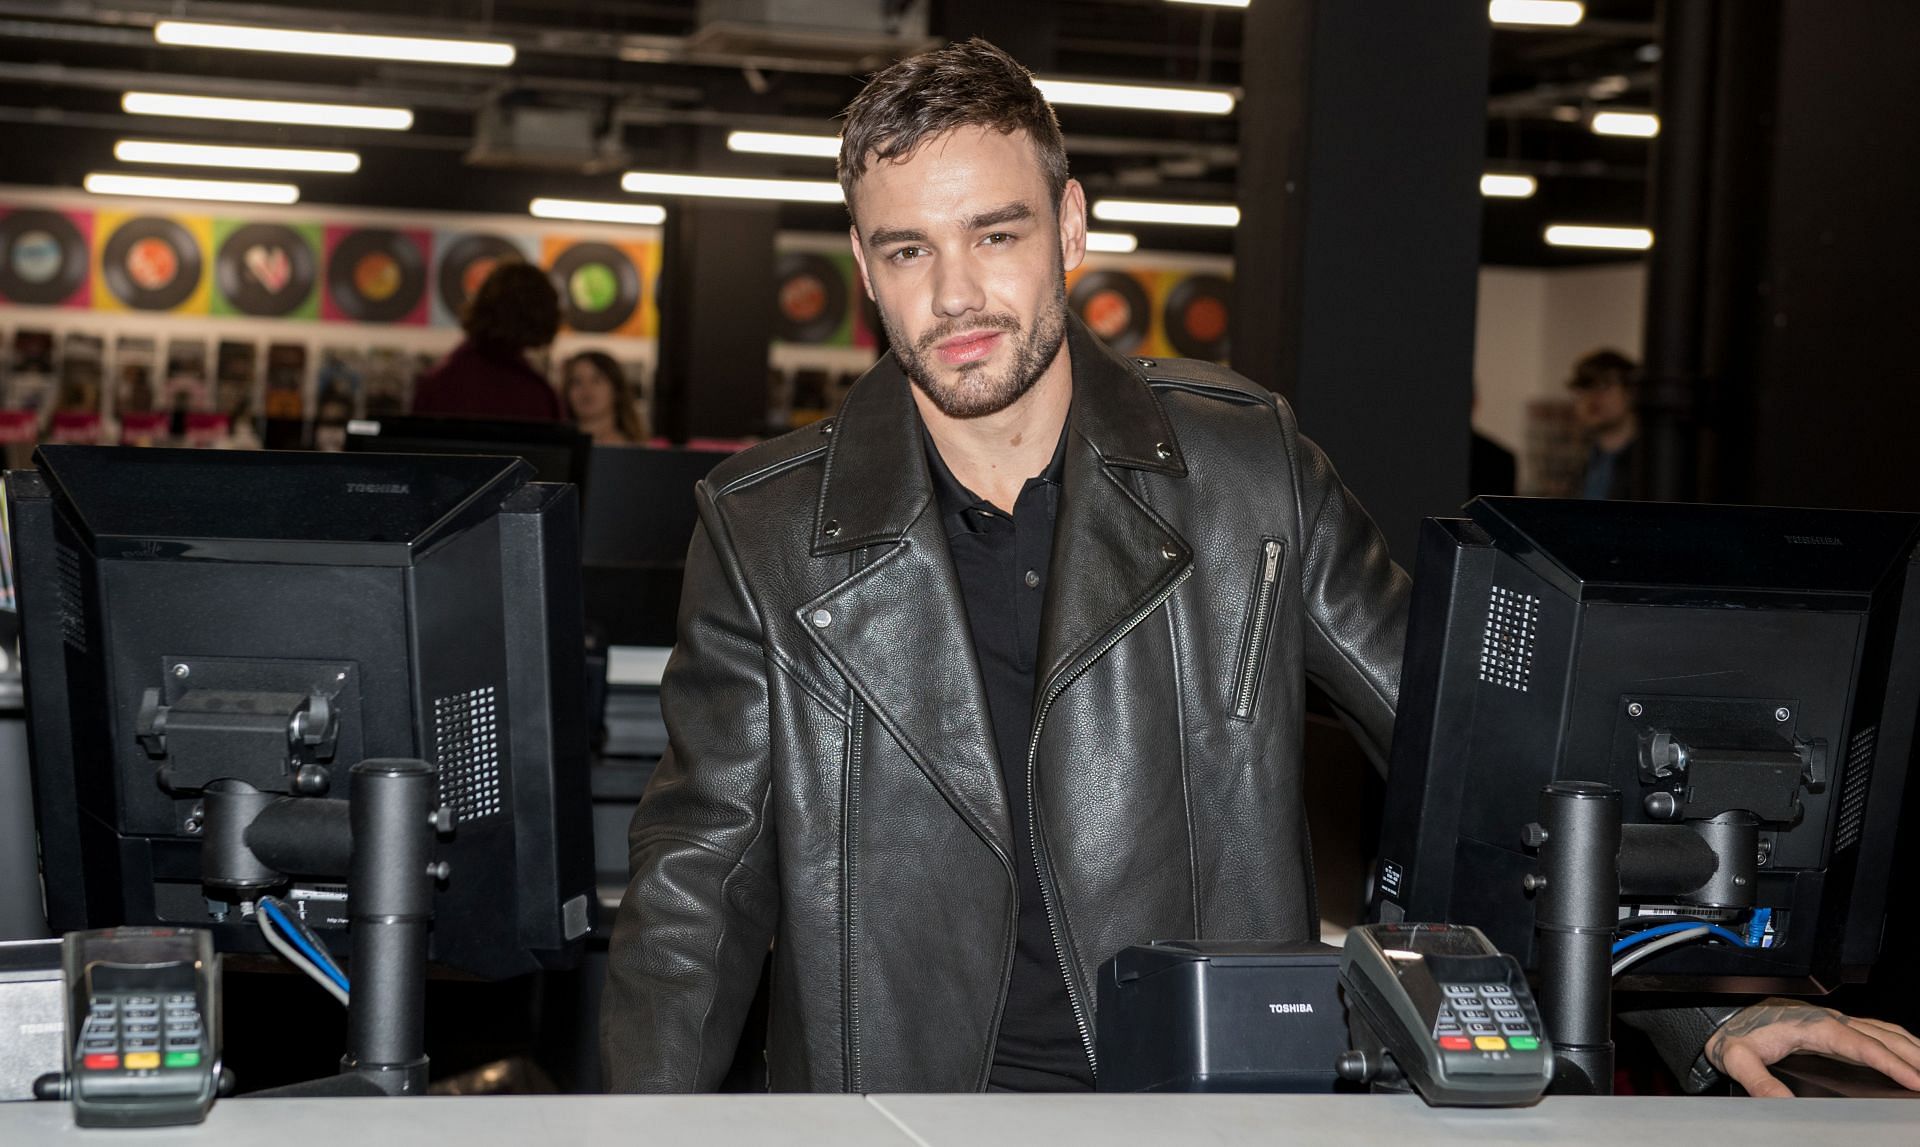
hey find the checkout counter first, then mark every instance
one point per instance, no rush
(1001, 1120)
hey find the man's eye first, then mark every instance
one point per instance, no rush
(998, 238)
(906, 254)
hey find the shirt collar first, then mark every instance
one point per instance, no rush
(955, 499)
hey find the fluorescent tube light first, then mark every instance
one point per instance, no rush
(218, 155)
(1610, 238)
(163, 187)
(784, 143)
(1112, 242)
(1508, 186)
(1137, 97)
(1137, 211)
(1552, 13)
(1212, 3)
(267, 111)
(592, 212)
(1642, 125)
(731, 187)
(415, 49)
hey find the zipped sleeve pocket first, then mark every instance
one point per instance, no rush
(1259, 629)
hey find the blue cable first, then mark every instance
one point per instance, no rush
(297, 940)
(300, 931)
(1629, 941)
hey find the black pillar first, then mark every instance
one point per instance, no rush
(1356, 262)
(1831, 316)
(716, 318)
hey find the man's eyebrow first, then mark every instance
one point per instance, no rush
(1011, 213)
(897, 235)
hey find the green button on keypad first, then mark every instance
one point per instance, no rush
(1523, 1043)
(183, 1059)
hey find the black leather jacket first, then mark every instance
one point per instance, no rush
(832, 787)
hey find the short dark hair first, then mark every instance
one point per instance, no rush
(516, 305)
(962, 85)
(1604, 368)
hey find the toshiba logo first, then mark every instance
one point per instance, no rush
(378, 488)
(1290, 1009)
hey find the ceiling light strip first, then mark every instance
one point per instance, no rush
(590, 211)
(1607, 238)
(353, 45)
(220, 155)
(1141, 211)
(266, 111)
(166, 187)
(731, 187)
(1138, 97)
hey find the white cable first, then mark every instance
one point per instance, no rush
(1650, 947)
(294, 957)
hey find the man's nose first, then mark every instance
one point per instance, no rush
(957, 288)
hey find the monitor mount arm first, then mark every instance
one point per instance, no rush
(1588, 861)
(381, 841)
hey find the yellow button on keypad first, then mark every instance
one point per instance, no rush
(1489, 1043)
(142, 1060)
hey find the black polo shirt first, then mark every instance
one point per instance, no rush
(1002, 560)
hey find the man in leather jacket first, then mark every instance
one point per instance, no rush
(997, 672)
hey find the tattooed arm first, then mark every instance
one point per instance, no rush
(1775, 1028)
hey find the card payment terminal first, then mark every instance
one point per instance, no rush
(1443, 1008)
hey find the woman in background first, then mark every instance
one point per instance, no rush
(601, 401)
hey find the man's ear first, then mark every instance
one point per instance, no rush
(1073, 225)
(860, 260)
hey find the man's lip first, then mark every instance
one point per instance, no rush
(971, 345)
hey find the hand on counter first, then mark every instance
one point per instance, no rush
(1772, 1029)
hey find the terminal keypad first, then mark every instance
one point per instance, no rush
(136, 1033)
(1483, 1017)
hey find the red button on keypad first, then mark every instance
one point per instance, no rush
(1455, 1043)
(101, 1062)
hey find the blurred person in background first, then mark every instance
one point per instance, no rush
(601, 402)
(516, 310)
(1604, 386)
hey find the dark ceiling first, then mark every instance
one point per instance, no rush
(664, 84)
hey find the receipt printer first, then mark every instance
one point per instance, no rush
(1208, 1015)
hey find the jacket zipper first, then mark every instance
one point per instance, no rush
(1243, 695)
(1033, 807)
(853, 851)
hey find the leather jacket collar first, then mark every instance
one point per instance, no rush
(876, 479)
(1114, 561)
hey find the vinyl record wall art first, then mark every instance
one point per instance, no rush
(266, 270)
(1114, 305)
(154, 263)
(810, 303)
(599, 284)
(43, 258)
(375, 275)
(1197, 315)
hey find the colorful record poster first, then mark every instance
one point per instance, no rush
(44, 257)
(375, 275)
(1196, 315)
(1114, 304)
(266, 270)
(813, 298)
(152, 262)
(462, 261)
(599, 283)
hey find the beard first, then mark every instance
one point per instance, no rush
(975, 389)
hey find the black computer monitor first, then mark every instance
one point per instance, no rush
(634, 544)
(196, 620)
(1756, 665)
(557, 451)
